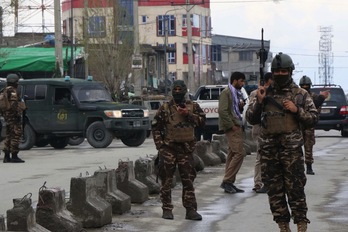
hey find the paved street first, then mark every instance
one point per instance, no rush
(327, 191)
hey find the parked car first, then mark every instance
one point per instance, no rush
(152, 103)
(207, 96)
(334, 111)
(62, 109)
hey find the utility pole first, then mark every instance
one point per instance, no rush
(138, 79)
(72, 39)
(165, 53)
(190, 77)
(86, 35)
(58, 36)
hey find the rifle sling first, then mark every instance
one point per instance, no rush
(271, 100)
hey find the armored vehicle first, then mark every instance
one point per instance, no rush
(63, 108)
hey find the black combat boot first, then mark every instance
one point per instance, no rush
(167, 214)
(192, 214)
(309, 169)
(7, 158)
(15, 158)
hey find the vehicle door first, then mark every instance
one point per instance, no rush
(38, 106)
(65, 114)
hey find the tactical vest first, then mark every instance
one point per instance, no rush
(178, 129)
(277, 121)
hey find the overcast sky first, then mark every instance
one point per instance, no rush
(292, 26)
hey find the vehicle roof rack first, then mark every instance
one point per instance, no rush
(326, 85)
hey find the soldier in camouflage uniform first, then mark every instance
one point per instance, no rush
(308, 133)
(173, 134)
(282, 110)
(13, 116)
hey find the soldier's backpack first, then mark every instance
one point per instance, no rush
(4, 103)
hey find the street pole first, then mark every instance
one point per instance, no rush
(138, 79)
(191, 82)
(72, 39)
(165, 53)
(86, 35)
(58, 43)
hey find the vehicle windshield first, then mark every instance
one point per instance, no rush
(91, 93)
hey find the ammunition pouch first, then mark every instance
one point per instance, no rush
(179, 129)
(278, 122)
(181, 133)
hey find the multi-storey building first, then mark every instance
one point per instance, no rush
(230, 53)
(164, 23)
(161, 25)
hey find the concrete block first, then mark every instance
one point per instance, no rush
(216, 148)
(89, 208)
(144, 172)
(52, 214)
(199, 164)
(223, 142)
(204, 151)
(22, 216)
(107, 189)
(126, 182)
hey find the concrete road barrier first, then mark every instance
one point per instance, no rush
(204, 151)
(22, 216)
(52, 214)
(126, 182)
(144, 172)
(89, 208)
(107, 189)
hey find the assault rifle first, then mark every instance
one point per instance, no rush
(262, 54)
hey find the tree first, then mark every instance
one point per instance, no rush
(108, 41)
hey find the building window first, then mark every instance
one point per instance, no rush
(204, 54)
(171, 55)
(245, 56)
(216, 53)
(97, 26)
(194, 20)
(143, 18)
(161, 25)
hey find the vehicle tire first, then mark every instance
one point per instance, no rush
(134, 139)
(28, 139)
(75, 140)
(59, 142)
(41, 142)
(344, 133)
(98, 136)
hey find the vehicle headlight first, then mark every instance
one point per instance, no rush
(146, 113)
(113, 113)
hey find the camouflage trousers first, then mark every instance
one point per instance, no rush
(13, 136)
(284, 174)
(309, 141)
(169, 159)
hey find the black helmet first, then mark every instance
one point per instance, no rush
(12, 78)
(282, 61)
(305, 81)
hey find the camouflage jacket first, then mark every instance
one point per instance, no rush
(16, 106)
(159, 124)
(307, 114)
